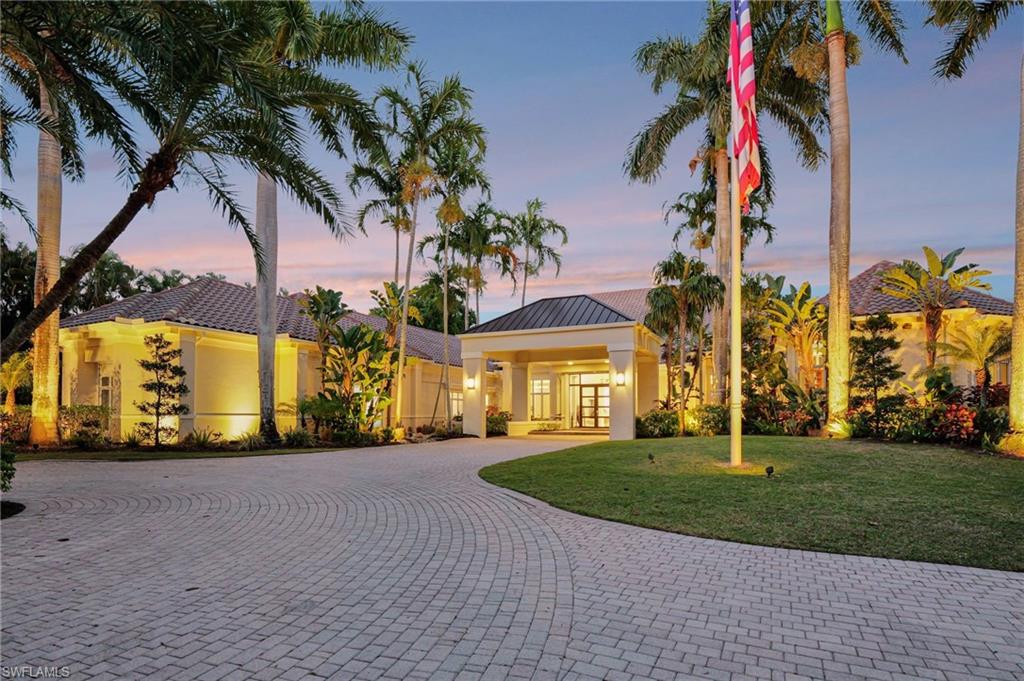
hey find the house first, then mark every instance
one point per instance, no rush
(214, 324)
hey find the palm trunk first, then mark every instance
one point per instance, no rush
(720, 314)
(670, 339)
(398, 248)
(839, 222)
(1017, 352)
(400, 377)
(160, 170)
(932, 326)
(9, 403)
(682, 370)
(46, 338)
(465, 308)
(526, 273)
(266, 303)
(444, 330)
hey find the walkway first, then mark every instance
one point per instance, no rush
(400, 563)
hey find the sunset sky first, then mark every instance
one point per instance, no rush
(555, 86)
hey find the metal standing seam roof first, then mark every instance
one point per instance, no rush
(550, 313)
(215, 304)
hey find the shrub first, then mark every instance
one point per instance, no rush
(956, 424)
(497, 423)
(938, 384)
(991, 426)
(915, 422)
(658, 423)
(299, 437)
(250, 442)
(387, 435)
(711, 419)
(14, 427)
(83, 425)
(204, 438)
(353, 438)
(131, 440)
(6, 469)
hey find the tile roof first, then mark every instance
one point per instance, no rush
(866, 299)
(215, 304)
(550, 313)
(630, 302)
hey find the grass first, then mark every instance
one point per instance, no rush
(916, 502)
(155, 454)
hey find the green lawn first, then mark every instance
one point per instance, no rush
(154, 455)
(917, 502)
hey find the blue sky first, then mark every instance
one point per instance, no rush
(933, 162)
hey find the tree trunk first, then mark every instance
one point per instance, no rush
(682, 370)
(465, 308)
(1017, 353)
(398, 249)
(158, 174)
(526, 273)
(932, 325)
(720, 314)
(839, 225)
(46, 338)
(400, 377)
(444, 330)
(9, 403)
(266, 303)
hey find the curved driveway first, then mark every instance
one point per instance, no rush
(401, 563)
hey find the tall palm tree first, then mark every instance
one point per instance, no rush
(388, 305)
(979, 344)
(530, 230)
(821, 48)
(696, 70)
(15, 373)
(381, 173)
(968, 24)
(663, 319)
(696, 291)
(802, 321)
(435, 114)
(934, 286)
(211, 102)
(483, 240)
(301, 38)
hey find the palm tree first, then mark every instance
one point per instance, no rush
(211, 103)
(325, 308)
(298, 38)
(436, 114)
(15, 373)
(933, 287)
(382, 173)
(483, 239)
(388, 305)
(663, 319)
(968, 24)
(530, 229)
(979, 345)
(802, 321)
(696, 70)
(820, 47)
(696, 291)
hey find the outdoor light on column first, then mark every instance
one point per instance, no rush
(620, 378)
(470, 383)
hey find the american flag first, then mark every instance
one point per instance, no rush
(744, 115)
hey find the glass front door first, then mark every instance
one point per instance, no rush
(595, 406)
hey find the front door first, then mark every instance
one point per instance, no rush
(595, 406)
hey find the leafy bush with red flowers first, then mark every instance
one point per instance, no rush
(956, 424)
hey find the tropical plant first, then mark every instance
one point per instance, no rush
(381, 173)
(932, 287)
(979, 344)
(250, 442)
(695, 291)
(801, 320)
(436, 114)
(358, 371)
(208, 101)
(166, 384)
(820, 48)
(968, 24)
(388, 305)
(485, 242)
(17, 282)
(530, 231)
(663, 319)
(428, 299)
(874, 370)
(325, 309)
(301, 38)
(15, 373)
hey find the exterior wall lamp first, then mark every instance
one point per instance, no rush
(470, 383)
(620, 378)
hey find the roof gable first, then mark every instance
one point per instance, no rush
(550, 313)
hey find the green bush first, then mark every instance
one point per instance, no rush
(711, 419)
(354, 438)
(204, 438)
(658, 423)
(14, 427)
(83, 425)
(250, 442)
(299, 437)
(497, 423)
(992, 425)
(6, 469)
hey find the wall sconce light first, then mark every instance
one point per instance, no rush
(470, 383)
(620, 378)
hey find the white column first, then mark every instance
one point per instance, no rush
(506, 387)
(520, 405)
(622, 362)
(474, 394)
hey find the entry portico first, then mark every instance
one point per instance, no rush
(570, 363)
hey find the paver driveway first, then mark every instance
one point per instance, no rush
(401, 563)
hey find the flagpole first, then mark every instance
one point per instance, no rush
(735, 312)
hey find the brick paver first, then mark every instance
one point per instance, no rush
(400, 563)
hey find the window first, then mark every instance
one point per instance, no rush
(456, 403)
(540, 398)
